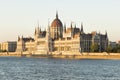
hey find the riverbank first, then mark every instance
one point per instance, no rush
(88, 57)
(64, 56)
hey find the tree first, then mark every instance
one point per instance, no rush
(116, 49)
(94, 48)
(109, 49)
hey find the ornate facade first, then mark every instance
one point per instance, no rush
(59, 38)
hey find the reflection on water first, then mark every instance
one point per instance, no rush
(12, 68)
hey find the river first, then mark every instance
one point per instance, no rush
(13, 68)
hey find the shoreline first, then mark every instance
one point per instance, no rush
(112, 56)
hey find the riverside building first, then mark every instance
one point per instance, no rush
(61, 39)
(9, 46)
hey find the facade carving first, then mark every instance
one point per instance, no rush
(59, 38)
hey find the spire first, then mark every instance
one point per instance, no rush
(38, 23)
(71, 30)
(99, 32)
(35, 31)
(40, 29)
(75, 26)
(22, 37)
(82, 28)
(71, 25)
(56, 14)
(48, 30)
(44, 29)
(64, 27)
(106, 33)
(48, 22)
(18, 38)
(48, 25)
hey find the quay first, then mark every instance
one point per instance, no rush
(64, 56)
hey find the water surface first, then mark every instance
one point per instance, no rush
(12, 68)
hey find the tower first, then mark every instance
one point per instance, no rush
(20, 44)
(56, 28)
(106, 40)
(71, 30)
(37, 32)
(81, 31)
(56, 14)
(49, 44)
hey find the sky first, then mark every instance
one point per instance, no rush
(20, 17)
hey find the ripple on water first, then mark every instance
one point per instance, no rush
(12, 68)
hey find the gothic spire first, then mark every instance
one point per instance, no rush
(18, 38)
(99, 33)
(82, 31)
(75, 26)
(106, 33)
(64, 27)
(56, 14)
(48, 22)
(40, 29)
(22, 37)
(38, 23)
(71, 25)
(35, 30)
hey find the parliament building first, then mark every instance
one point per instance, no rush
(60, 39)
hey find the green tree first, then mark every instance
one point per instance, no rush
(118, 48)
(94, 47)
(109, 49)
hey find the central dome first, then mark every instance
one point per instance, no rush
(56, 22)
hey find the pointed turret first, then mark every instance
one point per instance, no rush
(35, 31)
(44, 29)
(22, 37)
(99, 33)
(56, 14)
(65, 27)
(106, 34)
(75, 26)
(82, 31)
(40, 29)
(75, 29)
(37, 23)
(48, 40)
(18, 38)
(48, 28)
(71, 25)
(71, 30)
(99, 41)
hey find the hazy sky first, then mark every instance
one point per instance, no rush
(19, 17)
